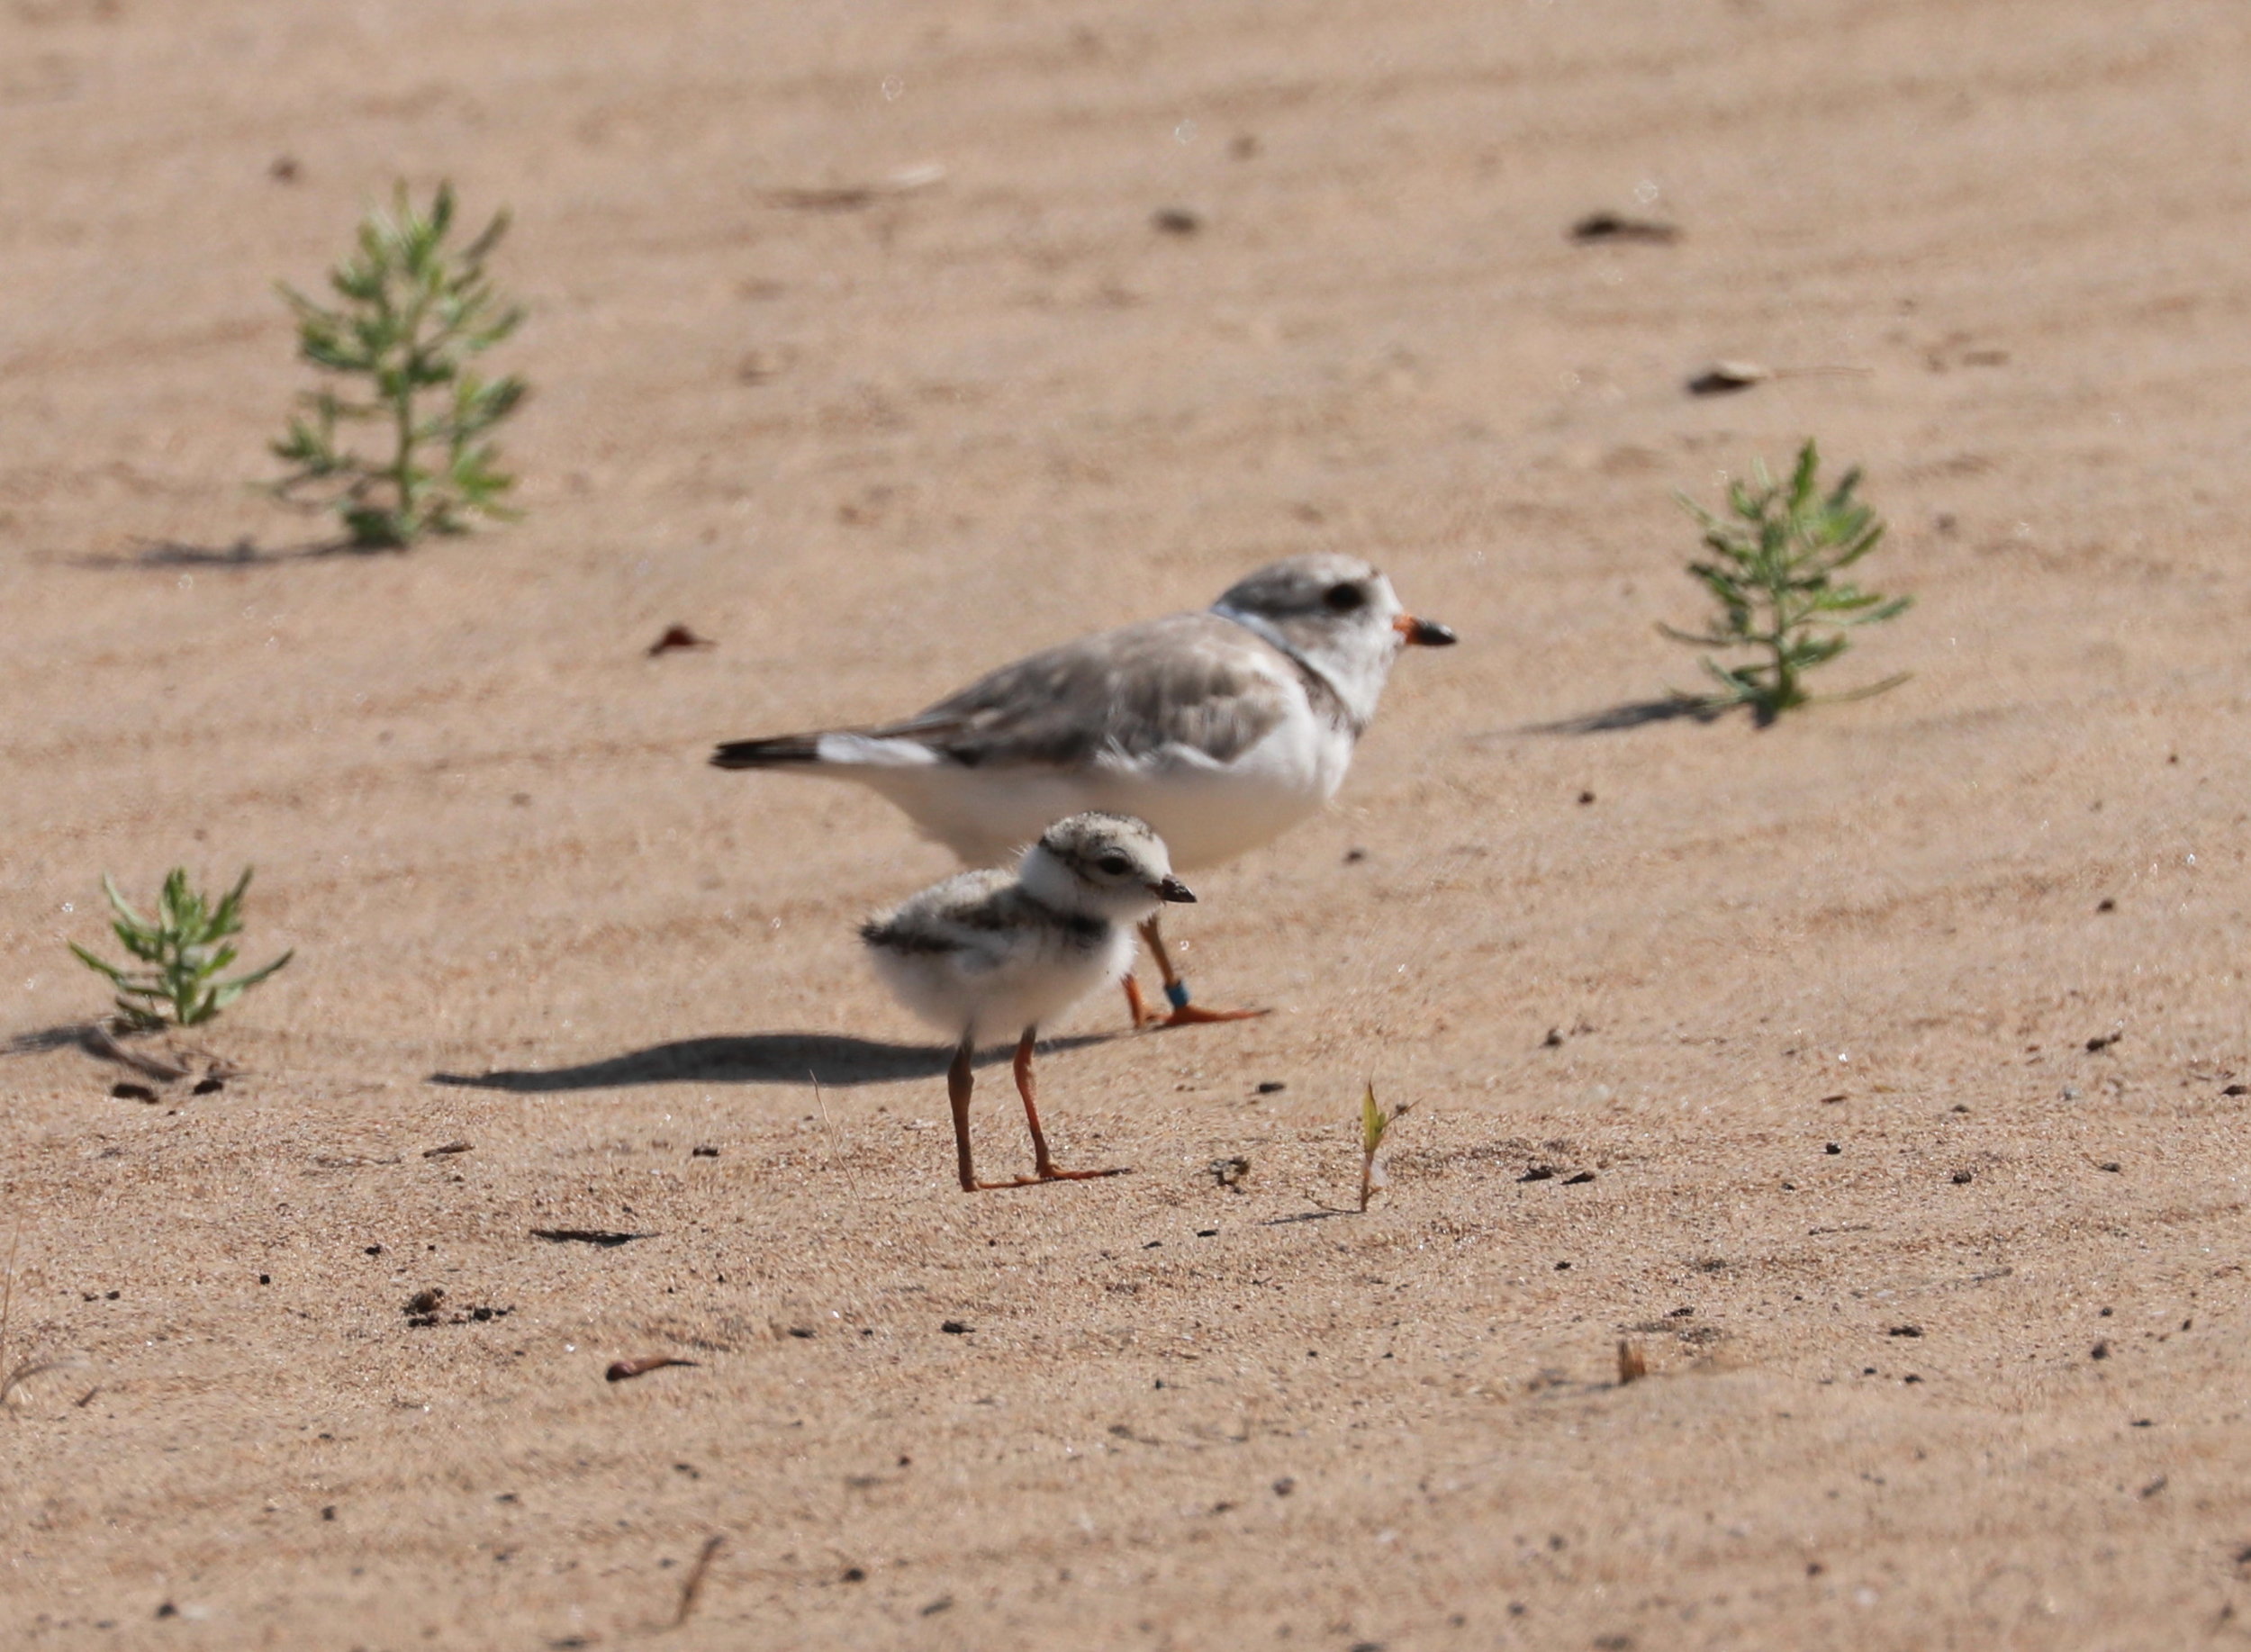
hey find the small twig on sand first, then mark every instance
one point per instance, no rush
(605, 1238)
(8, 1287)
(1631, 1367)
(852, 197)
(25, 1372)
(13, 1377)
(624, 1369)
(693, 1584)
(834, 1152)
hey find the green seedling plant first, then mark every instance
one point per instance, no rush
(1374, 1124)
(412, 315)
(183, 949)
(1776, 568)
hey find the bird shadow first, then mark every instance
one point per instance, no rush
(756, 1058)
(42, 1040)
(1635, 714)
(244, 553)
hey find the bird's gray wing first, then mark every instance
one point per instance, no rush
(1192, 680)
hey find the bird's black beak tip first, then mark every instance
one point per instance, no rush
(1430, 634)
(1172, 888)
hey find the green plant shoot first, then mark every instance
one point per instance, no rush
(412, 313)
(1774, 570)
(185, 947)
(1374, 1122)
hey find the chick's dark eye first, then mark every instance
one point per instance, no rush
(1117, 865)
(1344, 599)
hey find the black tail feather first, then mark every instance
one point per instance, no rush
(767, 754)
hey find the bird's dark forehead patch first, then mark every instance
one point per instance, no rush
(1091, 840)
(1297, 582)
(1083, 851)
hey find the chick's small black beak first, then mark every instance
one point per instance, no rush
(1172, 888)
(1424, 632)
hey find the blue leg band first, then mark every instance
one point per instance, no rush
(1176, 994)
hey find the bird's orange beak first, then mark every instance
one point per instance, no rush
(1424, 632)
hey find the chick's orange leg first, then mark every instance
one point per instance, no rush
(1042, 1166)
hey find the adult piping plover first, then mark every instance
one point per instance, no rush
(993, 952)
(1222, 728)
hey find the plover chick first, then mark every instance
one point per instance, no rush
(1222, 728)
(994, 954)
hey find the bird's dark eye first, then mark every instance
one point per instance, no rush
(1344, 599)
(1117, 865)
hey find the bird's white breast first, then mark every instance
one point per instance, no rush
(1021, 979)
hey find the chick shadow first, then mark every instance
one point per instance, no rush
(759, 1057)
(1633, 714)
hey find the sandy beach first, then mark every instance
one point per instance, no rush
(1878, 1077)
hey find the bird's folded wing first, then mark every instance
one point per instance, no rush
(968, 920)
(1196, 683)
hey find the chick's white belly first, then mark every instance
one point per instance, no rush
(1208, 813)
(997, 995)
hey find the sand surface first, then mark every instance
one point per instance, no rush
(1897, 1040)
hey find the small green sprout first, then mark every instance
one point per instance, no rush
(1773, 573)
(1374, 1122)
(186, 949)
(414, 312)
